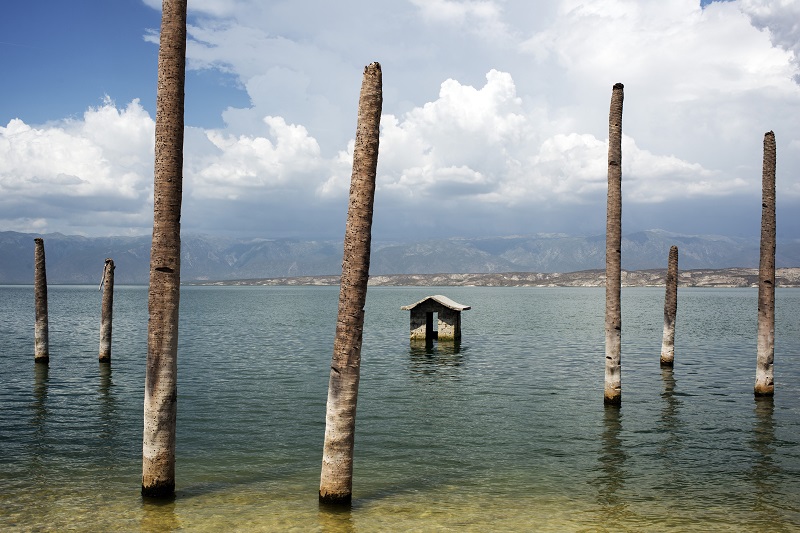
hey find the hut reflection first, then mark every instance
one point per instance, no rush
(429, 357)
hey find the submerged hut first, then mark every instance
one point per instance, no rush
(448, 318)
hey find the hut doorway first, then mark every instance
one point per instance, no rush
(431, 321)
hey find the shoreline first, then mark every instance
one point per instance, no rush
(722, 278)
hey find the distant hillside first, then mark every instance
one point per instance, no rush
(74, 259)
(725, 277)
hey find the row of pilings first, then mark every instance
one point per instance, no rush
(764, 383)
(41, 333)
(337, 464)
(158, 446)
(160, 395)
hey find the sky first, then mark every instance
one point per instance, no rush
(494, 120)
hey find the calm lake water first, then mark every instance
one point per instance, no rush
(507, 432)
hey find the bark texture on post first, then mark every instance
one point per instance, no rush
(765, 384)
(336, 479)
(670, 309)
(160, 392)
(613, 323)
(41, 334)
(106, 311)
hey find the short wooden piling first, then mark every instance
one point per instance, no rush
(106, 311)
(670, 309)
(41, 337)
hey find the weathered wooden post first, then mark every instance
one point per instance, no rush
(670, 309)
(765, 384)
(613, 323)
(336, 479)
(163, 300)
(41, 336)
(106, 310)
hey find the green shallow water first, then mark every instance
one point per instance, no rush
(506, 432)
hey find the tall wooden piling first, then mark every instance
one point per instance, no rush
(106, 311)
(613, 323)
(41, 336)
(670, 309)
(163, 295)
(765, 384)
(336, 478)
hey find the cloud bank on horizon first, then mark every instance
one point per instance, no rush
(495, 120)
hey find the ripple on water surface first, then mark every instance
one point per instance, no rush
(505, 431)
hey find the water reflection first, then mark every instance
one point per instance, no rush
(158, 515)
(611, 481)
(431, 347)
(671, 429)
(40, 380)
(764, 471)
(40, 383)
(429, 357)
(108, 407)
(335, 519)
(670, 424)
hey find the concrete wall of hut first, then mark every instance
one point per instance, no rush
(449, 324)
(449, 321)
(418, 323)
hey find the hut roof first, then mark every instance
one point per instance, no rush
(438, 298)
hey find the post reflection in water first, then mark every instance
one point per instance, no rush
(611, 479)
(158, 515)
(40, 379)
(40, 382)
(671, 428)
(764, 469)
(108, 407)
(335, 520)
(669, 419)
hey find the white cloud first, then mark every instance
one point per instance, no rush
(675, 49)
(99, 164)
(482, 17)
(780, 18)
(480, 145)
(257, 165)
(519, 123)
(455, 145)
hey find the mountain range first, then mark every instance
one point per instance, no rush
(79, 260)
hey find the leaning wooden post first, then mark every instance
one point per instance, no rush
(670, 309)
(41, 336)
(336, 479)
(765, 384)
(613, 322)
(106, 311)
